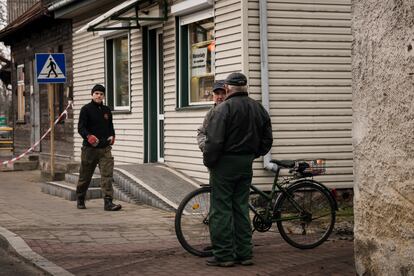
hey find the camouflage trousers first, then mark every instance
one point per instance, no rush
(90, 158)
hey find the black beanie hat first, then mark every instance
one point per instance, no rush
(98, 87)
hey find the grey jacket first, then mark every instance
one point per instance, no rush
(201, 130)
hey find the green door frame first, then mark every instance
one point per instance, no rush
(150, 95)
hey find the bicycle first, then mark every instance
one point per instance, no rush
(303, 209)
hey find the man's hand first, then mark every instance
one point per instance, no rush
(93, 140)
(111, 140)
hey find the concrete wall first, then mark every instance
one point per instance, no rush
(383, 137)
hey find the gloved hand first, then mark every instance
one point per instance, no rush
(93, 140)
(111, 140)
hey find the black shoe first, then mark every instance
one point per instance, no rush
(214, 262)
(81, 203)
(109, 206)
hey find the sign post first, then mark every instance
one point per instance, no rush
(50, 92)
(51, 69)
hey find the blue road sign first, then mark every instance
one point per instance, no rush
(50, 68)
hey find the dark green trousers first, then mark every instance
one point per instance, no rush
(230, 227)
(90, 158)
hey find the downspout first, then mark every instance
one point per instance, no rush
(264, 71)
(60, 4)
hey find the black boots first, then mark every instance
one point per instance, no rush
(81, 203)
(109, 206)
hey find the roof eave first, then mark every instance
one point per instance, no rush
(35, 13)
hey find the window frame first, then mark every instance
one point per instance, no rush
(183, 74)
(110, 70)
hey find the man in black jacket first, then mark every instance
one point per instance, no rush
(97, 130)
(239, 130)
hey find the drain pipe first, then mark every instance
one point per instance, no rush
(264, 71)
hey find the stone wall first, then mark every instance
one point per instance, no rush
(383, 136)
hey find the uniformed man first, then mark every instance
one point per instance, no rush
(97, 130)
(238, 131)
(219, 93)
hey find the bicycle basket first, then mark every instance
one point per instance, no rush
(310, 167)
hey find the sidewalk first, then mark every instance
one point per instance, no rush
(139, 240)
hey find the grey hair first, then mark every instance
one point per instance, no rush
(235, 88)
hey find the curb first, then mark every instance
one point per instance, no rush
(12, 242)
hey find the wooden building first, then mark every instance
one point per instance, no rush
(32, 29)
(159, 69)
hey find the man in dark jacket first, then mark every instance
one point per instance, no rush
(239, 130)
(97, 130)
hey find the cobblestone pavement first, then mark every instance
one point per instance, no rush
(139, 240)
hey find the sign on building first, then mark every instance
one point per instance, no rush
(50, 68)
(199, 62)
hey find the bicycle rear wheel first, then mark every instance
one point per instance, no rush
(192, 222)
(305, 215)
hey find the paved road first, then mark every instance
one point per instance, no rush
(13, 266)
(139, 240)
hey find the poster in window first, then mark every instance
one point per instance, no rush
(199, 62)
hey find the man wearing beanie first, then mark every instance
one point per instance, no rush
(97, 130)
(238, 131)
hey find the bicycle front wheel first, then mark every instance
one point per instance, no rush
(305, 215)
(192, 222)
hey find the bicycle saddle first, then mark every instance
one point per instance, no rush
(284, 163)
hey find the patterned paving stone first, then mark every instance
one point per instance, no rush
(140, 240)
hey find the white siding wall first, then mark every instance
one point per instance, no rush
(310, 81)
(228, 30)
(310, 85)
(89, 69)
(181, 150)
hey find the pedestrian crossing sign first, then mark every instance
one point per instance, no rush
(50, 68)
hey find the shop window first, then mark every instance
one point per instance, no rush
(20, 94)
(118, 73)
(196, 61)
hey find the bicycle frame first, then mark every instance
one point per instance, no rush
(269, 198)
(282, 203)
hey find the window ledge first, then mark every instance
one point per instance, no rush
(115, 112)
(194, 107)
(20, 122)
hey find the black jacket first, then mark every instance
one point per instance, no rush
(96, 119)
(239, 125)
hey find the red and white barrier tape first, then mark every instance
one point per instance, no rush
(64, 113)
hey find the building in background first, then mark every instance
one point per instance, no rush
(32, 29)
(159, 59)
